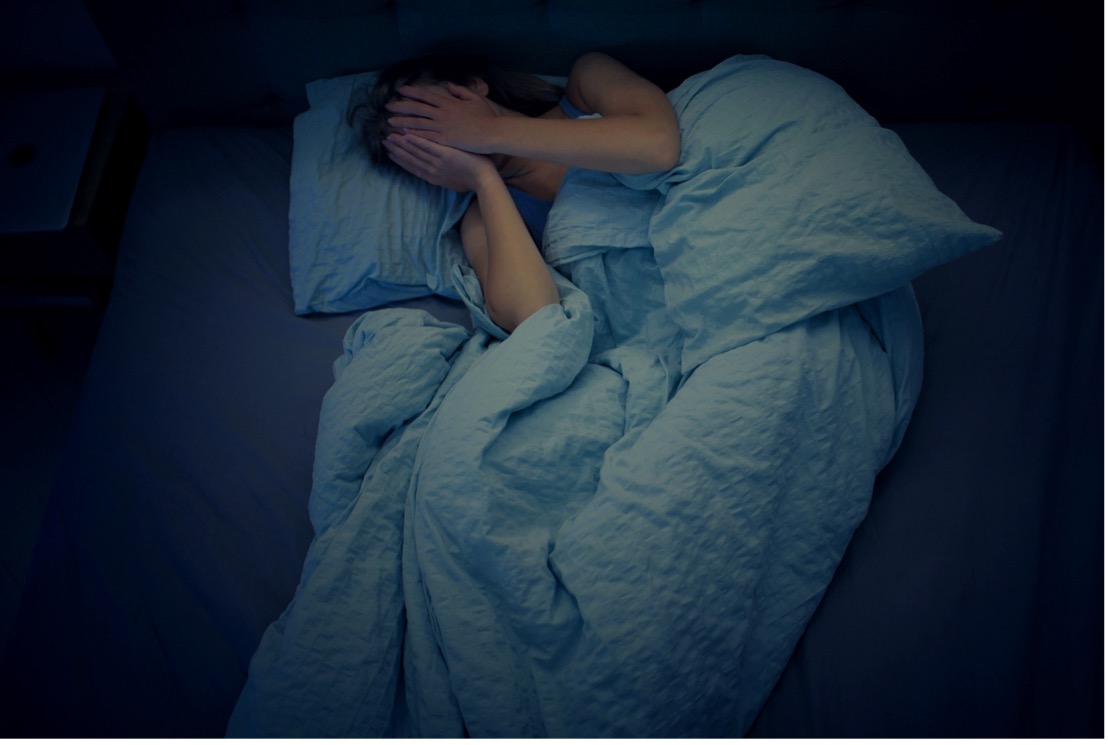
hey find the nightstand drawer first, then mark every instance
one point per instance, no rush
(70, 160)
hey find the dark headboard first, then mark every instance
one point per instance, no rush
(248, 60)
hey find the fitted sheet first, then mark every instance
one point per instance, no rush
(968, 600)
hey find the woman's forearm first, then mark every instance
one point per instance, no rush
(624, 143)
(637, 133)
(514, 278)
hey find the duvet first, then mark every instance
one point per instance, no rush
(617, 520)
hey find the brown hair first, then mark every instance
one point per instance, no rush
(527, 94)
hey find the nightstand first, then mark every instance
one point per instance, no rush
(68, 164)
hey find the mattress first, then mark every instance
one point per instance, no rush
(966, 604)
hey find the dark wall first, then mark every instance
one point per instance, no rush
(55, 37)
(904, 60)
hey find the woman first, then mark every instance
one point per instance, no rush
(462, 131)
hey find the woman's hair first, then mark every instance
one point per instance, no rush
(520, 92)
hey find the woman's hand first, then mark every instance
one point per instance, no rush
(452, 115)
(438, 164)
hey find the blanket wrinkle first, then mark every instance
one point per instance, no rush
(348, 611)
(343, 455)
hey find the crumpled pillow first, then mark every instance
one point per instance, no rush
(788, 200)
(361, 235)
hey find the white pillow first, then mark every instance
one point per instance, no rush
(361, 235)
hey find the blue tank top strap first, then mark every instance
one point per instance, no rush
(570, 110)
(534, 212)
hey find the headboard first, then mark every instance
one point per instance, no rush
(248, 60)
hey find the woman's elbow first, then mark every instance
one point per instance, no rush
(509, 316)
(662, 153)
(669, 153)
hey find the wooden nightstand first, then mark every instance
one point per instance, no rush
(68, 164)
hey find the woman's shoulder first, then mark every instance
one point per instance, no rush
(598, 81)
(593, 60)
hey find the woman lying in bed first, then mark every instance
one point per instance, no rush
(458, 124)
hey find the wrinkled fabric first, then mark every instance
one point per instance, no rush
(556, 534)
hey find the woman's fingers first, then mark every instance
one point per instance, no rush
(420, 101)
(415, 155)
(418, 147)
(409, 107)
(413, 160)
(423, 93)
(425, 127)
(412, 115)
(449, 114)
(416, 112)
(437, 164)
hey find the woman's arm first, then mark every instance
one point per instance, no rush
(637, 134)
(513, 276)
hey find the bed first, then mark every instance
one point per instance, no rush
(823, 497)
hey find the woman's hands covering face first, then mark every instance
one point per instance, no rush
(448, 115)
(437, 164)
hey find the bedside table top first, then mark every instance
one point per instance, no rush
(44, 140)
